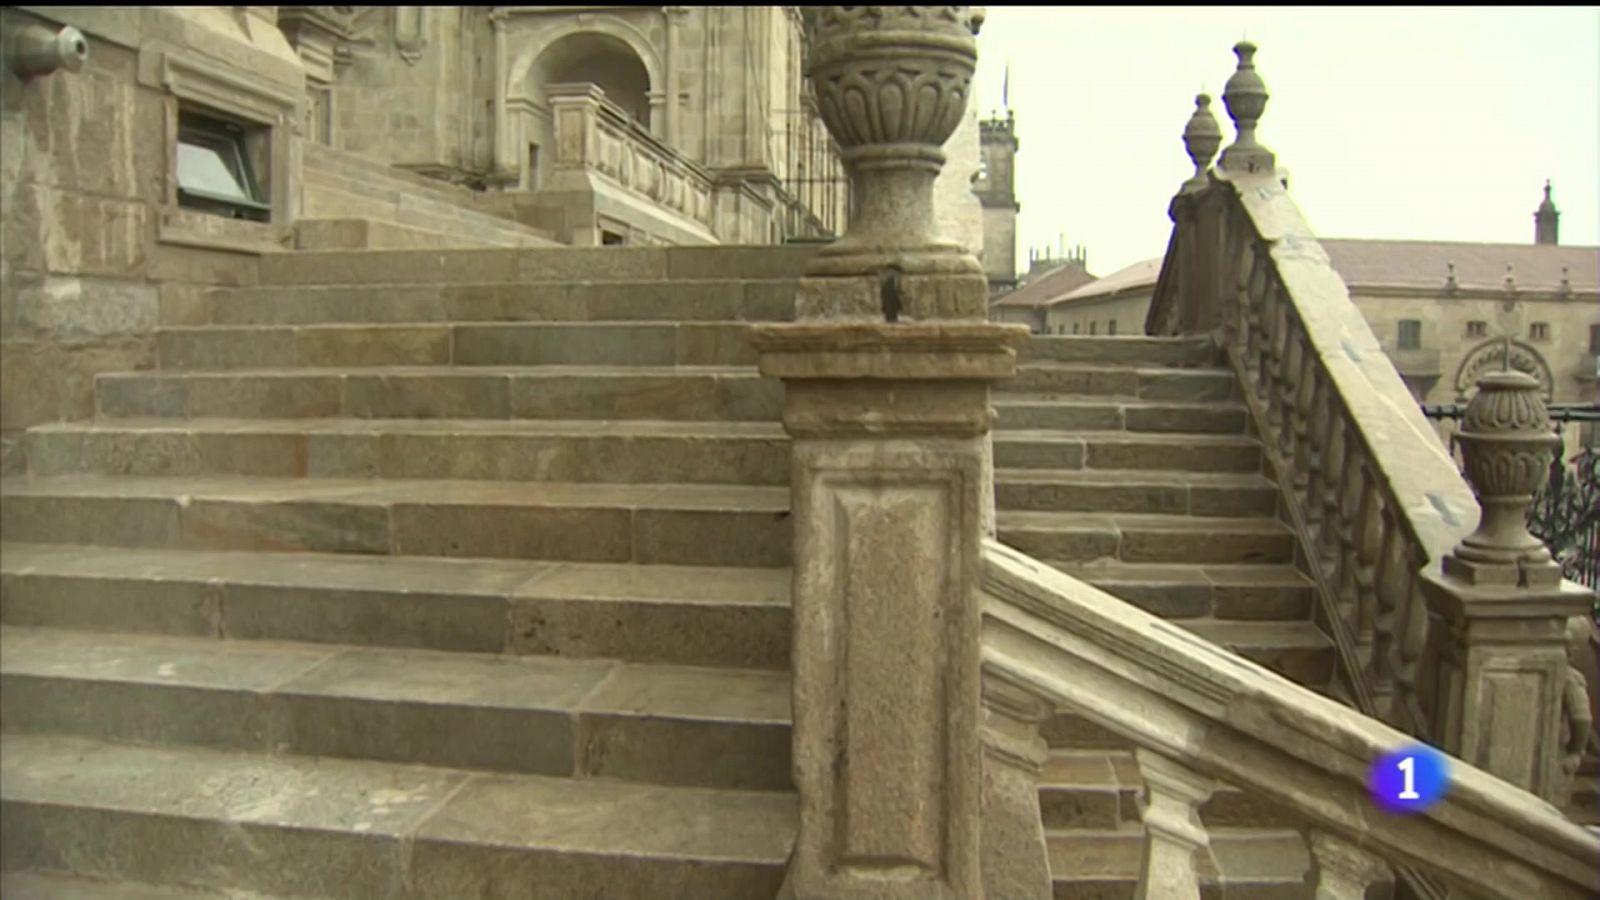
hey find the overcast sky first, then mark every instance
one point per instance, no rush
(1432, 124)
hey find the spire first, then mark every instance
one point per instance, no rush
(1547, 220)
(1005, 92)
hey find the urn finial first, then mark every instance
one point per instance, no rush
(1201, 138)
(1507, 444)
(1245, 96)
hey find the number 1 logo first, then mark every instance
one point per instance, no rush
(1410, 779)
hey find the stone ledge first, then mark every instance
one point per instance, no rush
(901, 351)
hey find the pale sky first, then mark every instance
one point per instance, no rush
(1404, 123)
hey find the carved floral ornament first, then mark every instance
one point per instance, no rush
(1492, 354)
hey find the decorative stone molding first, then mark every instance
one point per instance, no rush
(410, 32)
(892, 84)
(1495, 353)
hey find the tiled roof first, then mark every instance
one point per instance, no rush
(1426, 264)
(1047, 288)
(1140, 274)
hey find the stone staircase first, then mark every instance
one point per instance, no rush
(464, 574)
(350, 202)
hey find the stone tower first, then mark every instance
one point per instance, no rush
(1546, 221)
(996, 188)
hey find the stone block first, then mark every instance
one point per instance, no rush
(713, 344)
(1233, 499)
(411, 345)
(1056, 378)
(1179, 419)
(445, 395)
(103, 521)
(46, 382)
(182, 304)
(568, 344)
(1058, 416)
(730, 537)
(1073, 539)
(1187, 386)
(74, 309)
(289, 525)
(1192, 455)
(1264, 602)
(276, 396)
(128, 605)
(1156, 543)
(622, 395)
(515, 532)
(213, 349)
(1011, 451)
(384, 618)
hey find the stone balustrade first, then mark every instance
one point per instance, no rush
(1197, 714)
(596, 137)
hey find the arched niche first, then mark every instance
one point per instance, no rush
(1490, 356)
(604, 50)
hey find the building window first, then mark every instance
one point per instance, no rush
(1594, 339)
(1111, 327)
(1093, 326)
(1477, 329)
(1539, 331)
(1410, 334)
(533, 167)
(1074, 327)
(215, 171)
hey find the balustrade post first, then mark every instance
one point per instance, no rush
(886, 371)
(1015, 861)
(1344, 871)
(1499, 608)
(1173, 833)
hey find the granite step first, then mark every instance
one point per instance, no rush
(288, 825)
(678, 615)
(543, 264)
(589, 450)
(1154, 383)
(655, 524)
(1199, 494)
(638, 343)
(1146, 537)
(1241, 864)
(1249, 592)
(540, 715)
(1068, 413)
(675, 393)
(1098, 790)
(56, 886)
(1120, 450)
(471, 300)
(333, 194)
(1134, 350)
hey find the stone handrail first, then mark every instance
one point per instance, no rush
(1368, 484)
(594, 135)
(1196, 712)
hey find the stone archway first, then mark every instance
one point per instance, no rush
(604, 50)
(1491, 355)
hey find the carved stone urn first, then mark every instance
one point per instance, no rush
(892, 85)
(1506, 441)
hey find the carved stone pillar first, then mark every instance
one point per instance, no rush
(1499, 608)
(1016, 864)
(1344, 871)
(1170, 808)
(501, 146)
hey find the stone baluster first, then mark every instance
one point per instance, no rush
(1015, 861)
(1322, 403)
(1498, 607)
(1173, 833)
(1368, 539)
(1253, 266)
(1413, 638)
(1327, 548)
(886, 370)
(1344, 871)
(1304, 409)
(1349, 503)
(1294, 427)
(1277, 350)
(1391, 579)
(1244, 315)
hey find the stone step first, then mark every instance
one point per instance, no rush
(538, 715)
(673, 393)
(1251, 592)
(1146, 538)
(1098, 790)
(1085, 379)
(656, 524)
(1201, 494)
(1241, 864)
(470, 300)
(1065, 413)
(56, 886)
(324, 159)
(680, 615)
(212, 348)
(1035, 449)
(287, 825)
(521, 266)
(585, 450)
(334, 194)
(1134, 350)
(377, 234)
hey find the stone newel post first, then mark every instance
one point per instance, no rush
(887, 372)
(1499, 609)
